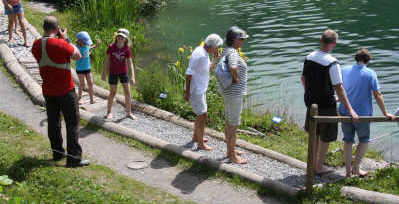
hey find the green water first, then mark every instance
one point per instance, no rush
(282, 33)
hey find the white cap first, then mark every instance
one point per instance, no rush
(213, 40)
(124, 33)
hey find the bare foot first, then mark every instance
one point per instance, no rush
(348, 174)
(204, 147)
(238, 152)
(238, 160)
(80, 101)
(324, 170)
(92, 102)
(360, 173)
(18, 33)
(196, 140)
(26, 44)
(108, 116)
(131, 116)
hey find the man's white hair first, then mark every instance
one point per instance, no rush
(213, 40)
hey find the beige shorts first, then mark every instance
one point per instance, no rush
(233, 109)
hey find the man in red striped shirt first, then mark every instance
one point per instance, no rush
(53, 52)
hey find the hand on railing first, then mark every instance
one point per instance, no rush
(355, 117)
(390, 116)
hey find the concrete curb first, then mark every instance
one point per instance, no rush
(35, 91)
(168, 116)
(368, 196)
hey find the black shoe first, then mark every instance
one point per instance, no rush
(79, 164)
(58, 158)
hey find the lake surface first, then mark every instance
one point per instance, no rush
(282, 33)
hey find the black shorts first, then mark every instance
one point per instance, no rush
(113, 78)
(328, 131)
(83, 72)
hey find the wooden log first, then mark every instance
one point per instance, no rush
(21, 76)
(347, 119)
(358, 194)
(311, 149)
(250, 132)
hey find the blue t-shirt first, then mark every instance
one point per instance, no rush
(84, 63)
(359, 82)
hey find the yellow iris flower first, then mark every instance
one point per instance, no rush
(242, 55)
(177, 63)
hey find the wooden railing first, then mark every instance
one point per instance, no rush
(315, 119)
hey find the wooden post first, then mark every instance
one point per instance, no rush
(311, 149)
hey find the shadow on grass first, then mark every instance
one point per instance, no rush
(20, 169)
(165, 159)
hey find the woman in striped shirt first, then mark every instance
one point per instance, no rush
(233, 95)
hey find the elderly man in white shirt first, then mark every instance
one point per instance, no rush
(197, 80)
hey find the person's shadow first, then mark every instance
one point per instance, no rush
(164, 159)
(20, 169)
(188, 180)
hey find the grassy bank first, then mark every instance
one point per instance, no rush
(26, 160)
(383, 181)
(103, 21)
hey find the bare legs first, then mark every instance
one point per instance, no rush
(12, 21)
(112, 93)
(321, 149)
(90, 86)
(21, 21)
(199, 129)
(128, 104)
(230, 133)
(360, 152)
(82, 85)
(16, 26)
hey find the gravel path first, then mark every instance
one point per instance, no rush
(258, 164)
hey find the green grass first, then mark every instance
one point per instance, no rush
(384, 181)
(25, 158)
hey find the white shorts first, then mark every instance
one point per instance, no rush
(233, 109)
(198, 103)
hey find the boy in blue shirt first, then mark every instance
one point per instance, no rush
(84, 44)
(360, 82)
